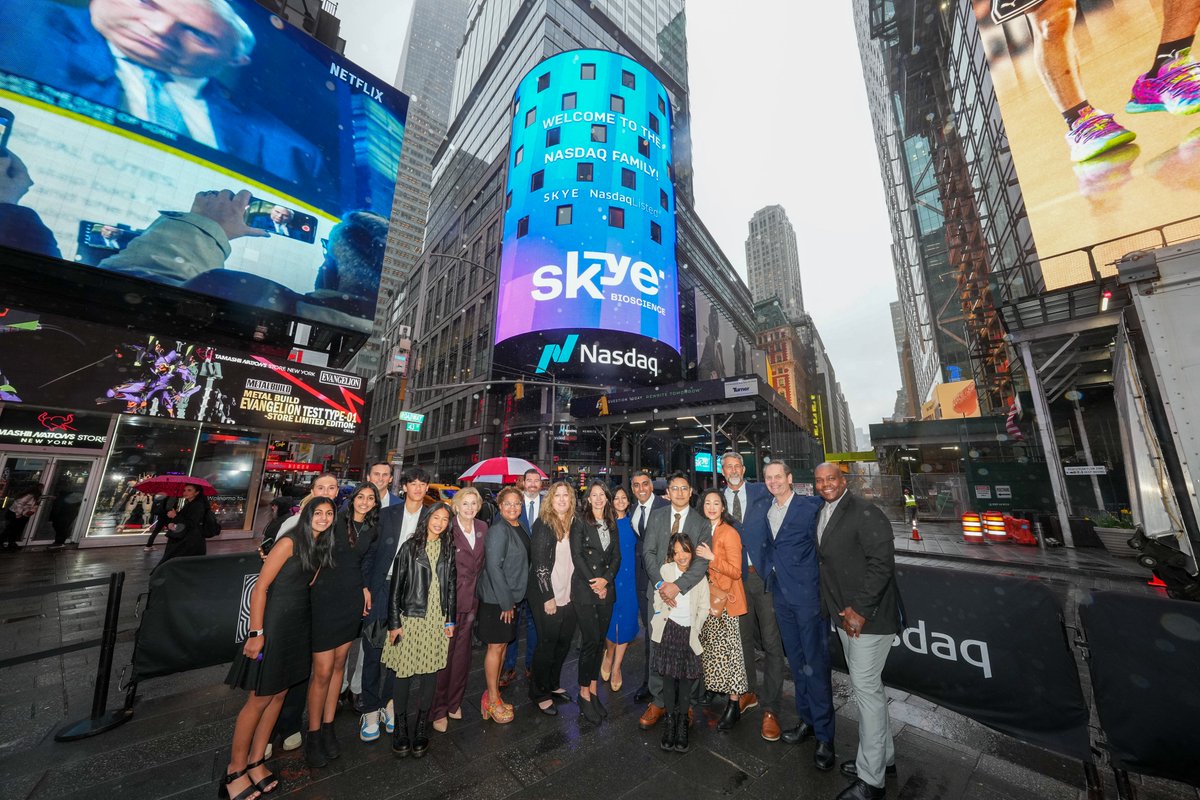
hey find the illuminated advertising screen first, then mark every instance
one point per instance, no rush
(588, 282)
(1101, 124)
(205, 145)
(56, 362)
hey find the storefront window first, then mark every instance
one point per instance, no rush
(226, 460)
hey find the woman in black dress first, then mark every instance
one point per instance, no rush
(597, 557)
(339, 603)
(185, 529)
(276, 653)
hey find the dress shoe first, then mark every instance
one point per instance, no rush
(850, 770)
(730, 716)
(862, 791)
(770, 727)
(550, 710)
(651, 716)
(747, 701)
(601, 710)
(824, 757)
(588, 711)
(797, 734)
(642, 695)
(314, 754)
(561, 697)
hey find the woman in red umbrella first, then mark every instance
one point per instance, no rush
(185, 529)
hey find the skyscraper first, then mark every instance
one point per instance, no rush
(773, 260)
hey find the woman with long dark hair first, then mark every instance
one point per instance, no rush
(623, 625)
(276, 653)
(469, 536)
(550, 594)
(339, 603)
(422, 614)
(596, 553)
(185, 531)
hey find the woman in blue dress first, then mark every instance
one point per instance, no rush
(623, 627)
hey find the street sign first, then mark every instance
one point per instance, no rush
(412, 426)
(1100, 470)
(408, 416)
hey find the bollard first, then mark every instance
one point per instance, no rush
(972, 528)
(994, 529)
(100, 721)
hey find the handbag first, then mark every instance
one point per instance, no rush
(375, 633)
(175, 531)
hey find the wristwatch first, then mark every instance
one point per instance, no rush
(252, 634)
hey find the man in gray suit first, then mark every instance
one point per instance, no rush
(665, 521)
(858, 591)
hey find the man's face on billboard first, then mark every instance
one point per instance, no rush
(281, 215)
(188, 38)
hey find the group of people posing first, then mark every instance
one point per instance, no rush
(712, 577)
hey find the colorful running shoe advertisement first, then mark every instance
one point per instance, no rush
(63, 363)
(588, 278)
(1100, 102)
(200, 144)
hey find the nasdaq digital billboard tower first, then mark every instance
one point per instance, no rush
(588, 282)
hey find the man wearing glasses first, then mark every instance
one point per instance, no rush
(665, 521)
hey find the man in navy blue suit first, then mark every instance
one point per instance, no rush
(158, 62)
(644, 502)
(785, 532)
(380, 474)
(758, 627)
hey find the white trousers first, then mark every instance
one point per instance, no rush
(865, 657)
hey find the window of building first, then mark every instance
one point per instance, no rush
(568, 101)
(531, 117)
(653, 121)
(563, 217)
(522, 226)
(583, 171)
(543, 82)
(519, 156)
(616, 217)
(643, 147)
(537, 180)
(553, 136)
(628, 178)
(587, 72)
(628, 80)
(662, 106)
(662, 200)
(616, 103)
(599, 133)
(508, 201)
(656, 232)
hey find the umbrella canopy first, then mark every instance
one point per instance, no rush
(498, 470)
(172, 485)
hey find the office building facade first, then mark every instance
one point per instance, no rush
(773, 260)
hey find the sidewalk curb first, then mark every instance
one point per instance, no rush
(1018, 566)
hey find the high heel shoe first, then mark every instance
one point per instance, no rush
(605, 672)
(230, 777)
(268, 784)
(616, 682)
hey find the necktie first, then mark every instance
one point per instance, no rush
(737, 505)
(823, 522)
(675, 526)
(641, 527)
(530, 512)
(160, 106)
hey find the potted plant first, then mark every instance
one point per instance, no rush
(1114, 530)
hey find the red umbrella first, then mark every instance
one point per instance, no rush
(172, 485)
(498, 470)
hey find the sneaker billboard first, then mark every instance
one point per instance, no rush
(588, 276)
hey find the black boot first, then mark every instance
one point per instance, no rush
(420, 741)
(733, 712)
(681, 733)
(314, 753)
(329, 742)
(668, 737)
(401, 746)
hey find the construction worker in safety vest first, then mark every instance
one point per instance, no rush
(910, 507)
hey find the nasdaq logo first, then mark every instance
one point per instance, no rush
(557, 353)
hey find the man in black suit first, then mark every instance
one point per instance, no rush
(787, 528)
(666, 521)
(645, 501)
(396, 524)
(159, 62)
(858, 589)
(758, 627)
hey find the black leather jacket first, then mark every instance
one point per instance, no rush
(411, 577)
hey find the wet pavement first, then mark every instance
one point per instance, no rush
(176, 744)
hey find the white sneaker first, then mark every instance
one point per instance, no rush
(389, 717)
(368, 726)
(269, 751)
(293, 742)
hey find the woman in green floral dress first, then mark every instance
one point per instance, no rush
(421, 613)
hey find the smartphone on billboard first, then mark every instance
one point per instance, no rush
(279, 220)
(6, 123)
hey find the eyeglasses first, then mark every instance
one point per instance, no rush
(679, 488)
(511, 504)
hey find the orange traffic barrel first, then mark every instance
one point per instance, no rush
(993, 526)
(972, 528)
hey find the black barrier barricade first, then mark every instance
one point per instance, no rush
(1144, 658)
(100, 720)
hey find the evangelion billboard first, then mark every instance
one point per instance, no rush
(588, 283)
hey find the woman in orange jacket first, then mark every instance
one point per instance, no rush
(724, 667)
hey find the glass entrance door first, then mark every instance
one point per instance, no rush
(19, 476)
(65, 500)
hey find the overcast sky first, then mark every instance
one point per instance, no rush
(779, 116)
